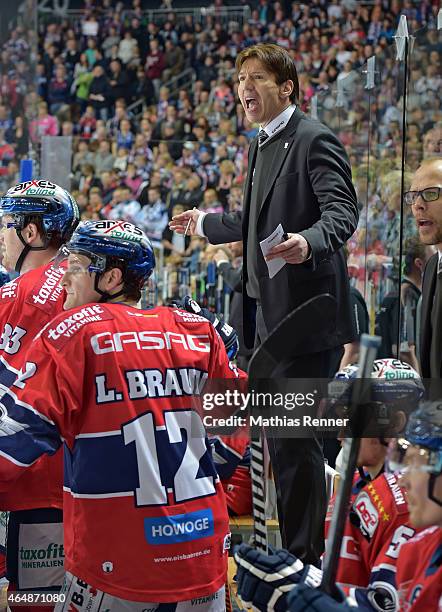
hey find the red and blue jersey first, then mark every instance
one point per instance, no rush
(377, 525)
(144, 508)
(419, 572)
(231, 455)
(27, 304)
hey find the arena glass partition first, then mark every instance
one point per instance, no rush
(404, 115)
(366, 110)
(353, 98)
(381, 226)
(344, 106)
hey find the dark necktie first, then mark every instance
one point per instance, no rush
(436, 328)
(262, 137)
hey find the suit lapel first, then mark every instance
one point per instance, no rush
(428, 288)
(248, 184)
(285, 143)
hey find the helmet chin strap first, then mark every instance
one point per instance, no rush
(26, 249)
(364, 475)
(105, 296)
(21, 258)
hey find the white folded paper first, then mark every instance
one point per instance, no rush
(276, 237)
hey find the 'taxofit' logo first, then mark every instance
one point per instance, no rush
(51, 288)
(71, 324)
(52, 556)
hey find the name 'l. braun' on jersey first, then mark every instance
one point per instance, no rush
(144, 511)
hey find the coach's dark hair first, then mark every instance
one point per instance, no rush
(276, 60)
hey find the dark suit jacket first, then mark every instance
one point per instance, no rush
(309, 191)
(428, 289)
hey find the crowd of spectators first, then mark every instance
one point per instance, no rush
(185, 147)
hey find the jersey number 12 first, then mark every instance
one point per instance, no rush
(186, 484)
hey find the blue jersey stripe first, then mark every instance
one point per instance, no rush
(8, 374)
(27, 445)
(105, 464)
(21, 412)
(101, 465)
(24, 434)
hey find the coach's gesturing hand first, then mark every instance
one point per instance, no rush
(185, 222)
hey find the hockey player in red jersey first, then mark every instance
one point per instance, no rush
(36, 218)
(145, 517)
(417, 460)
(231, 455)
(418, 457)
(378, 520)
(418, 572)
(378, 514)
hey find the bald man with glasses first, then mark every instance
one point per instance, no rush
(425, 199)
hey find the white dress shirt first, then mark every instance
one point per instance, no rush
(272, 128)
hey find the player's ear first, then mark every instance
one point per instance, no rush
(114, 278)
(399, 421)
(31, 233)
(419, 264)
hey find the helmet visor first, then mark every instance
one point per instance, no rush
(7, 221)
(80, 261)
(24, 206)
(404, 457)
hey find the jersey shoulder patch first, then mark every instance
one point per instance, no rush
(365, 508)
(9, 291)
(47, 291)
(143, 314)
(397, 493)
(59, 331)
(182, 316)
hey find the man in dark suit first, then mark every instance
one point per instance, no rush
(299, 176)
(425, 199)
